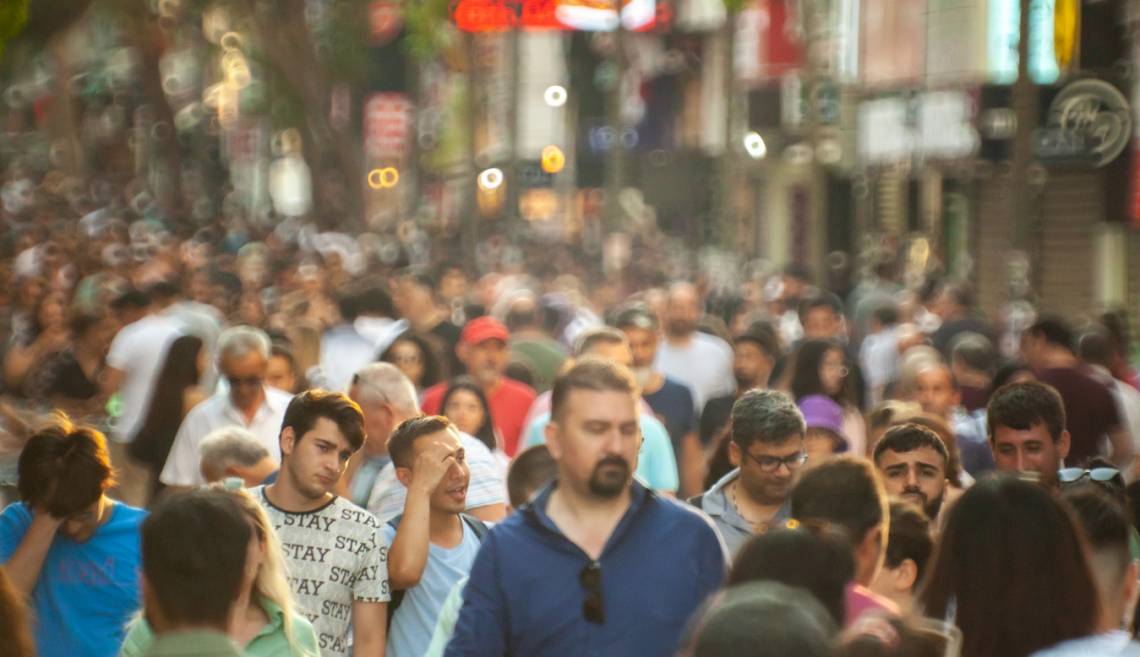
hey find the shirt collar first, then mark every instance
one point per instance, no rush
(268, 405)
(192, 644)
(640, 497)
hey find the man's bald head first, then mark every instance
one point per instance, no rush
(682, 309)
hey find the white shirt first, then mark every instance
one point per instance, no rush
(183, 466)
(1109, 644)
(704, 366)
(485, 487)
(879, 358)
(343, 352)
(139, 351)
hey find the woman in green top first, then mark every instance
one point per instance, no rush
(265, 622)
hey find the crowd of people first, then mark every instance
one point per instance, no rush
(288, 446)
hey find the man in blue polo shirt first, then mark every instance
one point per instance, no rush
(597, 564)
(72, 550)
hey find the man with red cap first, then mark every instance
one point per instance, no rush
(483, 351)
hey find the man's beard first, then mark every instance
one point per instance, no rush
(609, 482)
(931, 507)
(680, 327)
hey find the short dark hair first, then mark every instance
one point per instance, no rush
(768, 416)
(886, 314)
(1105, 522)
(762, 619)
(844, 491)
(1022, 405)
(531, 469)
(309, 406)
(909, 538)
(64, 469)
(635, 316)
(1053, 330)
(973, 350)
(1095, 347)
(763, 335)
(375, 300)
(193, 555)
(812, 556)
(820, 299)
(908, 437)
(590, 373)
(401, 444)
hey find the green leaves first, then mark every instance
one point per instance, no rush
(13, 17)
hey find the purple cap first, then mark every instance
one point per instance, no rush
(822, 412)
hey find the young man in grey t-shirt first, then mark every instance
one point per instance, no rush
(338, 563)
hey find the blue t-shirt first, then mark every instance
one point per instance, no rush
(656, 465)
(86, 592)
(414, 621)
(673, 405)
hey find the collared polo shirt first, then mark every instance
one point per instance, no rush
(525, 595)
(183, 466)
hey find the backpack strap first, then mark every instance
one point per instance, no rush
(397, 596)
(478, 527)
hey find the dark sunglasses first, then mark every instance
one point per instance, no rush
(249, 381)
(1101, 475)
(591, 580)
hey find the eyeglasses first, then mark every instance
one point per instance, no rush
(591, 580)
(773, 463)
(247, 382)
(1100, 475)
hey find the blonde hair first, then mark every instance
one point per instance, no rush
(272, 581)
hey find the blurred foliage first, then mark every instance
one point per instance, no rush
(13, 17)
(425, 21)
(735, 6)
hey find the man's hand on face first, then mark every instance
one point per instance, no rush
(432, 465)
(44, 521)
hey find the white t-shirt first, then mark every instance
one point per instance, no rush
(335, 556)
(415, 619)
(343, 352)
(183, 465)
(139, 351)
(704, 366)
(486, 485)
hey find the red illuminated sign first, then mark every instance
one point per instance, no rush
(500, 15)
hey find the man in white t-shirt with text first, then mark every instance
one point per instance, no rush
(337, 560)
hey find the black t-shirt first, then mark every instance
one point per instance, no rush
(60, 375)
(673, 405)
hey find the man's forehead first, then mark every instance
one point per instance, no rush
(791, 445)
(326, 429)
(448, 437)
(603, 405)
(1036, 432)
(924, 455)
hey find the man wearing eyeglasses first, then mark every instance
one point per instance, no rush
(596, 564)
(767, 448)
(246, 402)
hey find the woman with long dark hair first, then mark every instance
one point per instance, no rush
(177, 390)
(416, 357)
(821, 368)
(1012, 571)
(466, 406)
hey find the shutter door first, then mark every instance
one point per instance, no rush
(1072, 206)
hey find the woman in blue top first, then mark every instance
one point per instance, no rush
(267, 624)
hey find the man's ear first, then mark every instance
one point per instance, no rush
(1063, 445)
(404, 475)
(906, 576)
(553, 438)
(735, 455)
(461, 352)
(287, 440)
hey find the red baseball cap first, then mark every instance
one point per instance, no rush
(484, 328)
